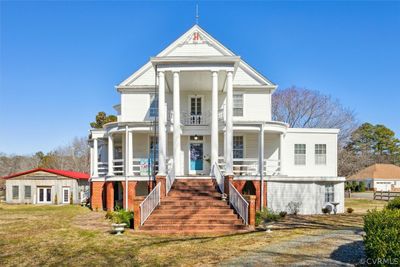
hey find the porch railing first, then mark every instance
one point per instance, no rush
(170, 176)
(219, 177)
(190, 119)
(102, 168)
(239, 203)
(118, 167)
(249, 166)
(150, 203)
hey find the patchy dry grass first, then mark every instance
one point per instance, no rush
(72, 235)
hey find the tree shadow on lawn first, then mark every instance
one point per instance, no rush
(351, 253)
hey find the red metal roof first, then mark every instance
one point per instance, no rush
(69, 174)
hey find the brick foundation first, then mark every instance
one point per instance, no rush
(109, 195)
(96, 195)
(239, 185)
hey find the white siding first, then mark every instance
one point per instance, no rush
(195, 50)
(145, 78)
(271, 146)
(243, 78)
(311, 195)
(56, 185)
(256, 106)
(310, 168)
(141, 144)
(135, 106)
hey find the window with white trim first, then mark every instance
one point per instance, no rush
(15, 192)
(238, 147)
(299, 154)
(320, 154)
(153, 105)
(329, 193)
(27, 192)
(238, 105)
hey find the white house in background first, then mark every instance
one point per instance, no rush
(379, 177)
(201, 111)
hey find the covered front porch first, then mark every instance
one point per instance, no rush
(132, 152)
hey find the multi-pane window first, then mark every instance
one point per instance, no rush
(238, 105)
(300, 154)
(66, 195)
(28, 192)
(15, 192)
(238, 146)
(320, 154)
(153, 105)
(329, 193)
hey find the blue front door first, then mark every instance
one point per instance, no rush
(196, 156)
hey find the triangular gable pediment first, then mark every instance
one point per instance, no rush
(197, 42)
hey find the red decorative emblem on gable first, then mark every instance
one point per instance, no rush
(196, 36)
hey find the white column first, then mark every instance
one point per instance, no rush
(130, 153)
(91, 160)
(214, 119)
(95, 158)
(126, 149)
(110, 155)
(162, 143)
(261, 163)
(281, 153)
(177, 125)
(229, 124)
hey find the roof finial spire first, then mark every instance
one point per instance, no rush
(197, 14)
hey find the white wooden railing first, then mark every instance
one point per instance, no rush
(170, 176)
(249, 166)
(102, 168)
(239, 203)
(150, 203)
(219, 177)
(189, 119)
(118, 167)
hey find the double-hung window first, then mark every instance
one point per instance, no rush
(238, 105)
(28, 192)
(300, 154)
(153, 105)
(238, 147)
(15, 192)
(320, 154)
(329, 193)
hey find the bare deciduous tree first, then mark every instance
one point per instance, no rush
(304, 108)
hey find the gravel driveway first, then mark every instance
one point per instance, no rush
(327, 248)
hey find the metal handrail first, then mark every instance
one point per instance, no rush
(239, 203)
(150, 203)
(219, 177)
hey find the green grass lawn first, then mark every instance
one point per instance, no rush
(73, 235)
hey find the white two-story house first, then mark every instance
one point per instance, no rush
(198, 110)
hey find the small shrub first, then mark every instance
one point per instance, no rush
(394, 204)
(326, 210)
(294, 207)
(282, 214)
(71, 200)
(382, 235)
(267, 215)
(350, 210)
(120, 216)
(55, 199)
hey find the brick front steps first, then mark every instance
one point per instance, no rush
(193, 206)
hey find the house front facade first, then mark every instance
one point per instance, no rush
(197, 110)
(379, 177)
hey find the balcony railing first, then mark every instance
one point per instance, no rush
(140, 167)
(201, 119)
(102, 168)
(249, 166)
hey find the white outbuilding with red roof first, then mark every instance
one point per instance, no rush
(47, 186)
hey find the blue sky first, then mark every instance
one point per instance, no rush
(60, 61)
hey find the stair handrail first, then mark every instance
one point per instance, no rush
(219, 177)
(170, 176)
(149, 204)
(239, 203)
